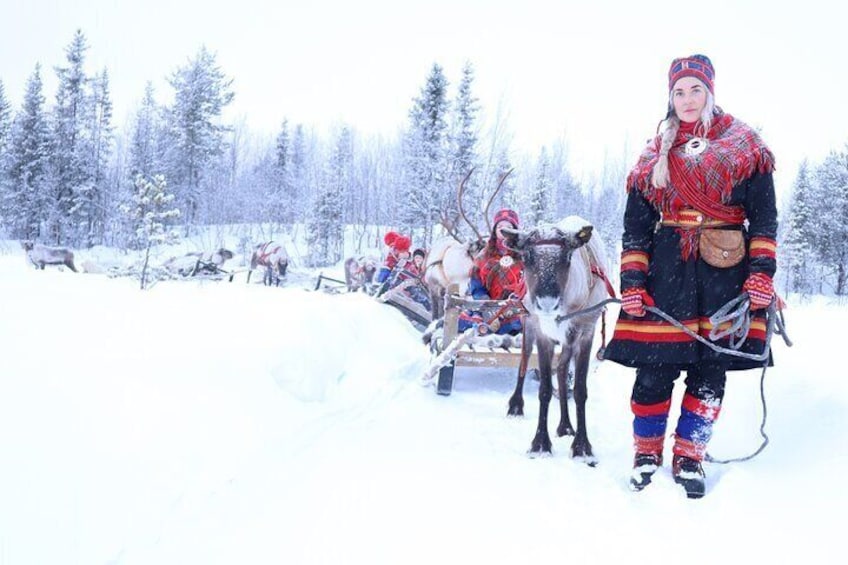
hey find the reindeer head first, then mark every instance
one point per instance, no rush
(27, 245)
(546, 251)
(369, 269)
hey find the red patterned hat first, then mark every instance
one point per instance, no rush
(390, 238)
(506, 215)
(698, 66)
(402, 243)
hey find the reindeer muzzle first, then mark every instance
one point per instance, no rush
(547, 304)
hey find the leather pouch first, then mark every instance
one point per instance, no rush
(721, 248)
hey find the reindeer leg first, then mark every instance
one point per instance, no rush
(580, 447)
(565, 428)
(542, 441)
(516, 401)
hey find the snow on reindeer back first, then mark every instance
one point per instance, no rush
(573, 224)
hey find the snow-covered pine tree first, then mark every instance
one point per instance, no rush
(325, 232)
(145, 157)
(540, 197)
(462, 152)
(796, 249)
(5, 119)
(300, 188)
(201, 92)
(150, 212)
(425, 190)
(5, 126)
(281, 195)
(25, 196)
(100, 198)
(71, 176)
(831, 212)
(146, 153)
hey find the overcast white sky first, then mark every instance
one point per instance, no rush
(591, 72)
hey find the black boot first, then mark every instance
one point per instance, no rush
(644, 467)
(689, 473)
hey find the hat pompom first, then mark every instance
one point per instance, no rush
(402, 244)
(390, 238)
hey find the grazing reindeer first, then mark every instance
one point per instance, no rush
(562, 269)
(197, 261)
(274, 258)
(359, 272)
(451, 260)
(41, 255)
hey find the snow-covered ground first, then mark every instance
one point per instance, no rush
(214, 422)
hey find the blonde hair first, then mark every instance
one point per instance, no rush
(669, 128)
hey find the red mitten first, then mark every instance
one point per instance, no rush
(634, 300)
(760, 289)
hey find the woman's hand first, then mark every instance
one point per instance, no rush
(760, 289)
(634, 300)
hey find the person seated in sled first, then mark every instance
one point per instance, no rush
(498, 275)
(398, 253)
(416, 267)
(406, 270)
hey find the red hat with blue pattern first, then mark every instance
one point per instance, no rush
(698, 66)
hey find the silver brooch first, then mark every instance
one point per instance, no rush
(695, 146)
(506, 262)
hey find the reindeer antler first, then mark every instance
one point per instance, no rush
(449, 225)
(459, 203)
(501, 180)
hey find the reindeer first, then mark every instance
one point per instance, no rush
(451, 259)
(274, 258)
(41, 255)
(359, 272)
(562, 268)
(195, 262)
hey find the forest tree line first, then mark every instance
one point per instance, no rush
(68, 176)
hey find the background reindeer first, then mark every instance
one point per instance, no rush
(195, 261)
(563, 275)
(41, 255)
(359, 272)
(451, 259)
(274, 258)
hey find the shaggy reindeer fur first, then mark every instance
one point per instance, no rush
(41, 255)
(274, 258)
(359, 272)
(187, 264)
(448, 262)
(558, 263)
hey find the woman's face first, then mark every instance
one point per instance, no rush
(499, 228)
(689, 97)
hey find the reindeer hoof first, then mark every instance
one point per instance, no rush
(516, 408)
(564, 430)
(538, 454)
(540, 447)
(588, 460)
(582, 451)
